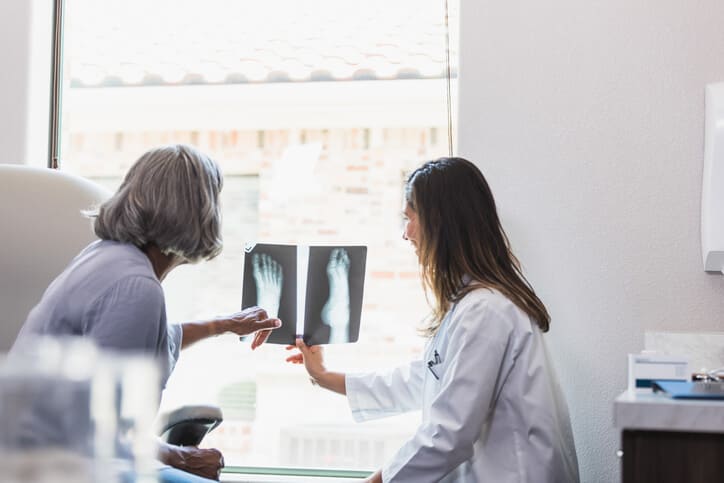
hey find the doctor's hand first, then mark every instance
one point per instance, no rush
(313, 360)
(311, 356)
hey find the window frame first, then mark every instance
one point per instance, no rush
(54, 150)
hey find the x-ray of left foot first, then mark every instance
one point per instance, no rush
(268, 277)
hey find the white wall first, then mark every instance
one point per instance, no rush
(14, 59)
(25, 80)
(587, 119)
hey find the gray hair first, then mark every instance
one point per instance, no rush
(170, 198)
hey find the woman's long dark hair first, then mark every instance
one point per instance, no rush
(461, 236)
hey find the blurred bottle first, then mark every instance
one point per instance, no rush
(69, 413)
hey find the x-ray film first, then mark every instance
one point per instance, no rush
(325, 284)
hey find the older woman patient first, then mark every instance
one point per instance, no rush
(165, 213)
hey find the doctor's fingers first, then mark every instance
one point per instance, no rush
(302, 346)
(314, 353)
(313, 361)
(297, 358)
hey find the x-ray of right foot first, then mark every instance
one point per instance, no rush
(335, 312)
(268, 277)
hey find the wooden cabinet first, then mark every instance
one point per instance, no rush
(670, 441)
(672, 457)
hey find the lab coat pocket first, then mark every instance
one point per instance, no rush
(435, 366)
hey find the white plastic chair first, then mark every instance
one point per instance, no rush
(42, 229)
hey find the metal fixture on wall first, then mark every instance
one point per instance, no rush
(448, 82)
(56, 81)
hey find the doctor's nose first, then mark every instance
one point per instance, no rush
(404, 235)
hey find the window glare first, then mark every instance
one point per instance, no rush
(316, 110)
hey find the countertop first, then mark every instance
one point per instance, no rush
(658, 412)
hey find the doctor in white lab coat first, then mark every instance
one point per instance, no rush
(492, 409)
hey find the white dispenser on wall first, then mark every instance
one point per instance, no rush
(712, 193)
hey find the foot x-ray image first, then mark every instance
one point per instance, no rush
(335, 286)
(270, 277)
(330, 296)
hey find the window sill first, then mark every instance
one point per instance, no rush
(290, 475)
(248, 478)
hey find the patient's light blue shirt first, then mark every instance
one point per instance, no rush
(110, 293)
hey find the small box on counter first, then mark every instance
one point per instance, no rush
(646, 367)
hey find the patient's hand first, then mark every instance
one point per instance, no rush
(252, 320)
(205, 462)
(335, 312)
(268, 278)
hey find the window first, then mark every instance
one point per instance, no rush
(316, 111)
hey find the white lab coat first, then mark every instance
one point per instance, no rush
(496, 413)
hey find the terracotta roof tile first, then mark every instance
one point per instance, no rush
(176, 42)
